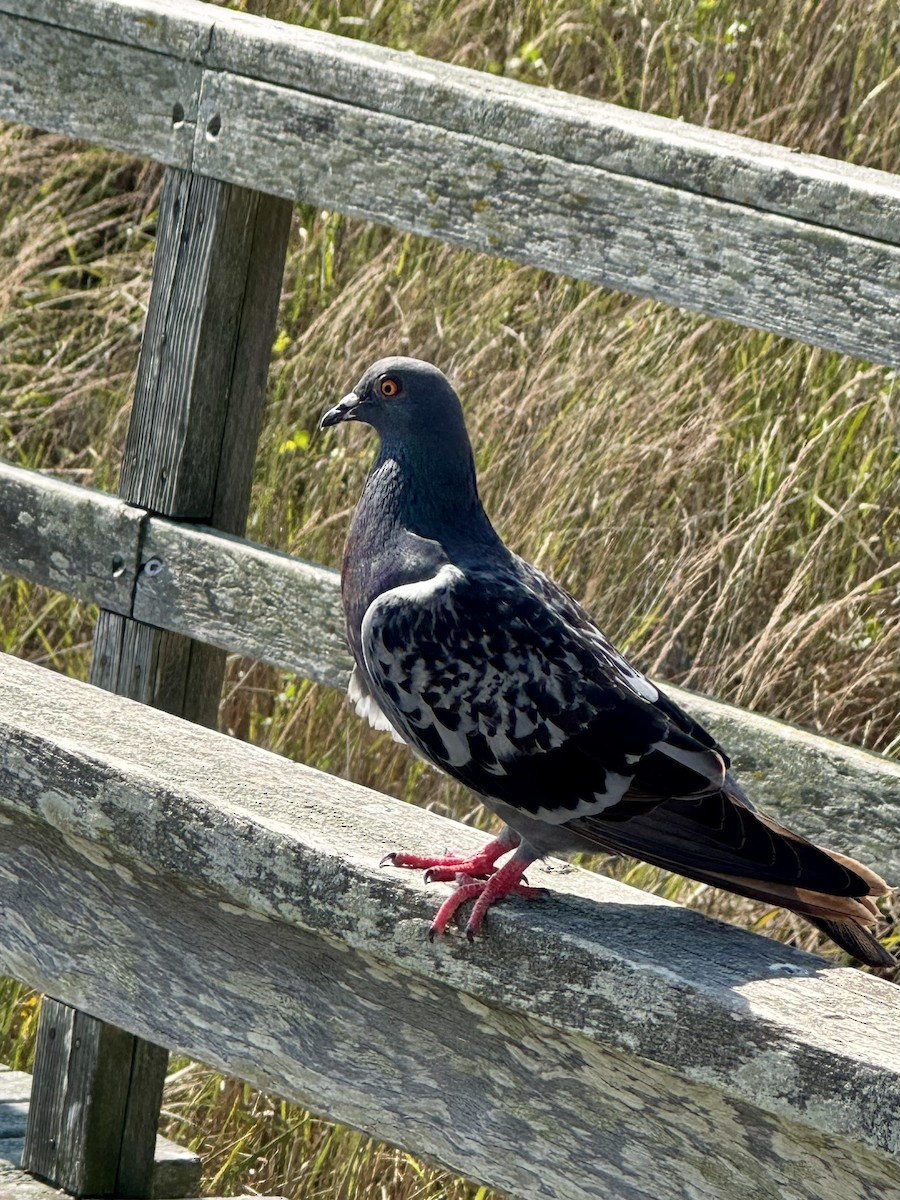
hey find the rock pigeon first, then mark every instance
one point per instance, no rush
(493, 673)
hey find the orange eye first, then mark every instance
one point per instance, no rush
(389, 388)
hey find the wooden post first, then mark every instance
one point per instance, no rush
(189, 455)
(96, 1127)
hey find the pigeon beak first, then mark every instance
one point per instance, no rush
(342, 411)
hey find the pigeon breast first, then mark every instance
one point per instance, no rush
(489, 679)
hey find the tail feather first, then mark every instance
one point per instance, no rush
(800, 900)
(856, 940)
(843, 919)
(877, 886)
(721, 841)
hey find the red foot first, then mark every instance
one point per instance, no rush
(441, 868)
(507, 881)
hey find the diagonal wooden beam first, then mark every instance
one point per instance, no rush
(603, 1045)
(799, 245)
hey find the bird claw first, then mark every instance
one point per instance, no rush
(447, 875)
(477, 878)
(474, 927)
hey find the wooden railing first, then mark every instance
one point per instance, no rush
(249, 600)
(204, 895)
(799, 245)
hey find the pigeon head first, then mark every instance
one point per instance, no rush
(402, 399)
(423, 479)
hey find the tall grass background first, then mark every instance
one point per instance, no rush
(725, 501)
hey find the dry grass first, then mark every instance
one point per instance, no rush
(725, 501)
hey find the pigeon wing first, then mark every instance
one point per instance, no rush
(501, 684)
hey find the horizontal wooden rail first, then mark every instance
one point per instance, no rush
(74, 539)
(215, 898)
(184, 578)
(249, 600)
(799, 245)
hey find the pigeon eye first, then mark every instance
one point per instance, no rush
(389, 388)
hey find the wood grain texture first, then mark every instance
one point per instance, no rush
(574, 128)
(199, 398)
(74, 1128)
(798, 245)
(157, 666)
(695, 158)
(135, 1154)
(213, 897)
(81, 542)
(246, 599)
(182, 30)
(772, 272)
(217, 272)
(190, 453)
(18, 1185)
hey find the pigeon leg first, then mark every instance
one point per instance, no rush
(441, 868)
(506, 881)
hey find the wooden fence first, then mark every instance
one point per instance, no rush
(204, 895)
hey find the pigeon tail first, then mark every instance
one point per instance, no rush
(856, 940)
(719, 840)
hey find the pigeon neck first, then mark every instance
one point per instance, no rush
(433, 495)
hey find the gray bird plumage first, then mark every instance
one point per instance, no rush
(493, 673)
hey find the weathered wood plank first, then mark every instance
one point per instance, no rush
(190, 451)
(78, 1131)
(212, 896)
(18, 1185)
(81, 542)
(245, 598)
(182, 30)
(249, 600)
(693, 158)
(120, 96)
(797, 245)
(580, 130)
(199, 399)
(176, 1170)
(217, 273)
(135, 1154)
(761, 269)
(94, 1131)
